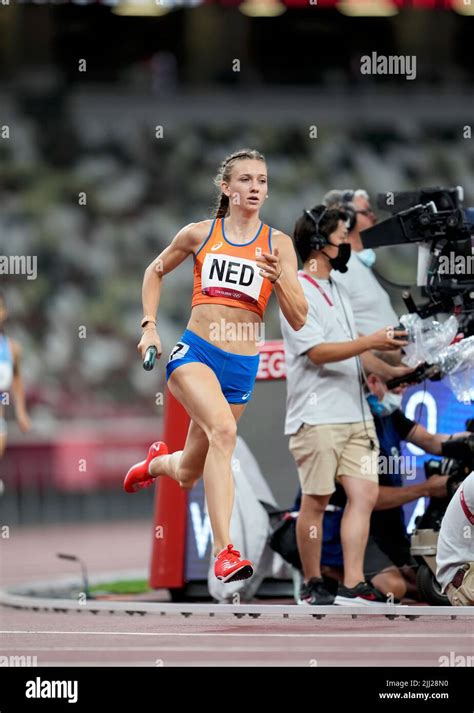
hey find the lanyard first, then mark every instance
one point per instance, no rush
(313, 282)
(464, 506)
(345, 327)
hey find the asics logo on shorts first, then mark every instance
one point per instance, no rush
(245, 396)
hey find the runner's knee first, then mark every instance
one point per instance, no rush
(223, 434)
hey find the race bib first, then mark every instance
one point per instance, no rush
(178, 351)
(6, 375)
(231, 277)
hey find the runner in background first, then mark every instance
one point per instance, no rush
(11, 382)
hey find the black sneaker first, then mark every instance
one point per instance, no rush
(315, 593)
(364, 594)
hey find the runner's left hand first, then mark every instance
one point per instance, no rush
(271, 268)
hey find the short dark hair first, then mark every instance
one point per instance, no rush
(305, 228)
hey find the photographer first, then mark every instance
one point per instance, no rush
(369, 301)
(455, 555)
(327, 417)
(389, 544)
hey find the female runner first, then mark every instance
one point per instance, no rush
(238, 261)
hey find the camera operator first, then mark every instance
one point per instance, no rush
(370, 302)
(455, 555)
(327, 417)
(388, 563)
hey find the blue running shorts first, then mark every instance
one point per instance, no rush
(236, 373)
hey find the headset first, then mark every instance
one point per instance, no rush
(318, 241)
(344, 200)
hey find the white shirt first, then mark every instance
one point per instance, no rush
(456, 536)
(326, 393)
(369, 301)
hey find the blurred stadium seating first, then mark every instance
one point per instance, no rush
(88, 188)
(139, 190)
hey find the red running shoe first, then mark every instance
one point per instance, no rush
(230, 568)
(138, 475)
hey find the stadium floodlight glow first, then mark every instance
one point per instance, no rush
(152, 8)
(367, 8)
(463, 7)
(262, 8)
(141, 8)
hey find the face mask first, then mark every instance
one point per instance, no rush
(367, 256)
(390, 403)
(340, 261)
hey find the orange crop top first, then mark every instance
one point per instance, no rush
(227, 273)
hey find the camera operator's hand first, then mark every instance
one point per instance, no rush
(383, 341)
(150, 338)
(394, 372)
(436, 486)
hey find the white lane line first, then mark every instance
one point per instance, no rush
(248, 663)
(249, 634)
(158, 649)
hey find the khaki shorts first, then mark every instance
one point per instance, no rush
(325, 452)
(463, 596)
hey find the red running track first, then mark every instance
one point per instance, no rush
(85, 639)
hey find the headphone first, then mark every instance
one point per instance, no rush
(347, 198)
(317, 241)
(343, 201)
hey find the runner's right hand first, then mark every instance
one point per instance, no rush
(150, 338)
